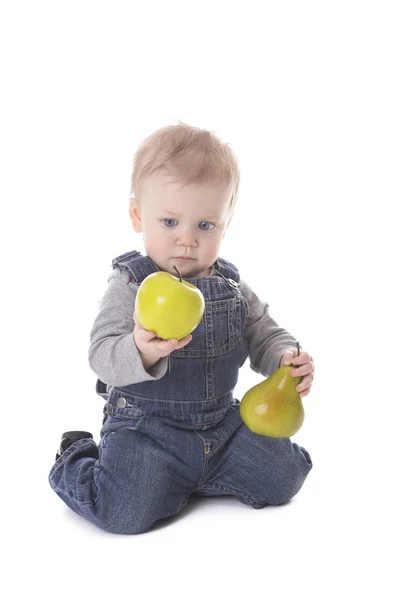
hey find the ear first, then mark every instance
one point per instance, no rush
(134, 213)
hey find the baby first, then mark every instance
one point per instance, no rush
(171, 427)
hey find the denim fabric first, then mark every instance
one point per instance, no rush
(163, 440)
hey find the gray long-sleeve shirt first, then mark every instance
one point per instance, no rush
(115, 358)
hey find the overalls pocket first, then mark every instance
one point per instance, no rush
(218, 332)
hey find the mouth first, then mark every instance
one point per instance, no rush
(183, 258)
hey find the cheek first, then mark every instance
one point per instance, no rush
(159, 240)
(211, 248)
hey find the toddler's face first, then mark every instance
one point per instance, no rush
(181, 221)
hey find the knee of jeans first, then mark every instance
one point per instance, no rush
(120, 513)
(119, 522)
(291, 479)
(125, 528)
(283, 493)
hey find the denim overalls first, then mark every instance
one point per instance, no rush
(166, 439)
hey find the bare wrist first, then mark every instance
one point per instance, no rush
(148, 361)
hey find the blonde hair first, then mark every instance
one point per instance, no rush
(191, 154)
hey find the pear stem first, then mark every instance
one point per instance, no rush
(179, 273)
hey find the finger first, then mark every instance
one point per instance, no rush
(173, 343)
(183, 341)
(302, 370)
(138, 325)
(287, 358)
(303, 358)
(305, 392)
(147, 335)
(305, 383)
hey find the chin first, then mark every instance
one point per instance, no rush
(188, 271)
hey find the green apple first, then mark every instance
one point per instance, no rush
(168, 305)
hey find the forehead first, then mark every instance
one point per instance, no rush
(174, 196)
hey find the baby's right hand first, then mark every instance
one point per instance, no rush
(150, 345)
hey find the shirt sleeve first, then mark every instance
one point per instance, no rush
(266, 341)
(113, 354)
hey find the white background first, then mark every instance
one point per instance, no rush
(307, 93)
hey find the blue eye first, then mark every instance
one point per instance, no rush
(162, 220)
(206, 223)
(169, 225)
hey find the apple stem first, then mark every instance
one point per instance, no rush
(177, 270)
(298, 348)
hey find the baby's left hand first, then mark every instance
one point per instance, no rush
(304, 368)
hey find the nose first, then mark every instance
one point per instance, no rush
(187, 238)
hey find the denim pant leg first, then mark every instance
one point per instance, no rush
(258, 470)
(72, 474)
(143, 470)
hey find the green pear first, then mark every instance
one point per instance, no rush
(274, 407)
(168, 305)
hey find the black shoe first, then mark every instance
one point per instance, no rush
(69, 437)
